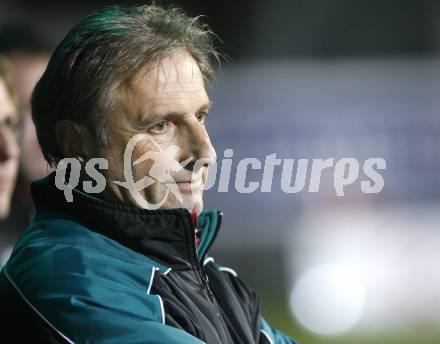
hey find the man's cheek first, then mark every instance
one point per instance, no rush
(142, 169)
(140, 149)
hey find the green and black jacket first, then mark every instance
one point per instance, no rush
(98, 272)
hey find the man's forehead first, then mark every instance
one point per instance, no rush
(175, 79)
(173, 85)
(177, 70)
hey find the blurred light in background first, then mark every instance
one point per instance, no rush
(328, 299)
(366, 266)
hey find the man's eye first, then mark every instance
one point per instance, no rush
(159, 127)
(201, 116)
(14, 125)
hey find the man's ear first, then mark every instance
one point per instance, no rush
(75, 140)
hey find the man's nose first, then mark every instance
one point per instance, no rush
(200, 147)
(8, 144)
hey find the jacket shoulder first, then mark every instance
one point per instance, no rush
(83, 284)
(56, 244)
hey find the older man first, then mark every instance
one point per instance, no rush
(125, 91)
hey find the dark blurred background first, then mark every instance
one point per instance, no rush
(319, 79)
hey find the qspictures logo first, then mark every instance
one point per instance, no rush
(164, 163)
(164, 166)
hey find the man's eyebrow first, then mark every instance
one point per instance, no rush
(142, 122)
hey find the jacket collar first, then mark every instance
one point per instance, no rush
(166, 235)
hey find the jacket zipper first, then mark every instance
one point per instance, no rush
(204, 279)
(200, 269)
(201, 275)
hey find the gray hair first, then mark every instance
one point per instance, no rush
(105, 49)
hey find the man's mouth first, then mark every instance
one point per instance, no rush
(187, 186)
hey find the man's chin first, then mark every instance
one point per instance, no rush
(197, 209)
(166, 200)
(191, 207)
(194, 203)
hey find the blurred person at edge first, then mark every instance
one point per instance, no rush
(10, 134)
(28, 52)
(103, 267)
